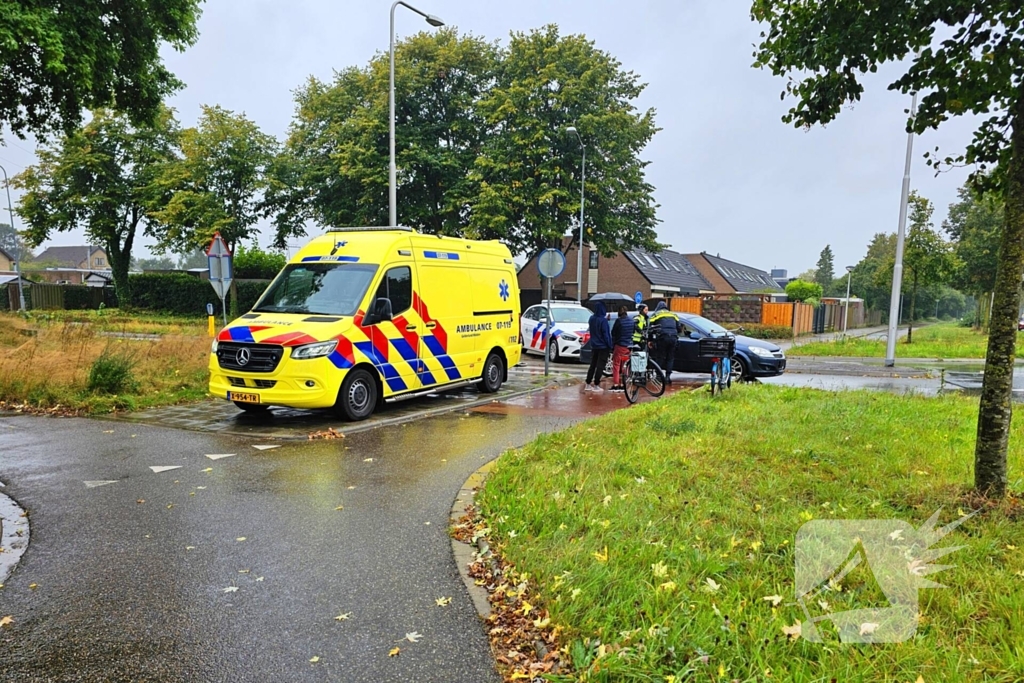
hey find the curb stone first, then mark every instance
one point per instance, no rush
(465, 553)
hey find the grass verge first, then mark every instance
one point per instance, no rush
(71, 364)
(654, 535)
(945, 340)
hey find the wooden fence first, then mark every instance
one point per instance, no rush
(687, 304)
(719, 308)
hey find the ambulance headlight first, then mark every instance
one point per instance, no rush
(317, 350)
(213, 347)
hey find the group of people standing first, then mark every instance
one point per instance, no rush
(662, 328)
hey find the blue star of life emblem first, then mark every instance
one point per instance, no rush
(503, 290)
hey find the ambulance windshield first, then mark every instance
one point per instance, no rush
(318, 288)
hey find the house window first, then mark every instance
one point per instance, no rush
(593, 260)
(98, 262)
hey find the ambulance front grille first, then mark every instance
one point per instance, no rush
(261, 357)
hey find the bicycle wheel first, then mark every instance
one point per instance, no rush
(715, 386)
(655, 385)
(632, 389)
(727, 372)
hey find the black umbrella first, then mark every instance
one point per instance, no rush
(611, 300)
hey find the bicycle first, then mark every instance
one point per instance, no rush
(720, 350)
(641, 371)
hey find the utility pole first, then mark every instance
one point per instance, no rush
(897, 270)
(17, 257)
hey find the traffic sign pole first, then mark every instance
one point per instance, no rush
(550, 263)
(218, 257)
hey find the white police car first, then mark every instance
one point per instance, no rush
(570, 329)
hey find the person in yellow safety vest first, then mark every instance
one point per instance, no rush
(639, 330)
(666, 326)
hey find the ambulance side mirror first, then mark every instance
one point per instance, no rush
(381, 312)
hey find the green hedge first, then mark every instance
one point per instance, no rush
(181, 294)
(767, 331)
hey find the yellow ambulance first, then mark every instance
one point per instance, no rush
(364, 315)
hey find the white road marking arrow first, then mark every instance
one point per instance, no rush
(218, 456)
(265, 446)
(163, 468)
(94, 484)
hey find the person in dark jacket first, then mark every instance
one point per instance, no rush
(622, 336)
(600, 346)
(665, 324)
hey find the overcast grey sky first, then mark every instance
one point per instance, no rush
(731, 178)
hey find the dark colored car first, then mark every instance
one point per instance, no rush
(754, 357)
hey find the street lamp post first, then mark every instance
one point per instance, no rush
(392, 189)
(583, 184)
(17, 257)
(895, 307)
(846, 314)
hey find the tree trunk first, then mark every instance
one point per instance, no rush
(913, 308)
(120, 262)
(996, 409)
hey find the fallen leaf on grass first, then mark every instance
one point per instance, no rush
(340, 507)
(601, 557)
(712, 586)
(6, 621)
(867, 628)
(394, 652)
(668, 586)
(441, 602)
(231, 589)
(413, 637)
(33, 586)
(314, 659)
(792, 631)
(660, 570)
(343, 617)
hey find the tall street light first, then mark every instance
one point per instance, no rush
(846, 316)
(17, 257)
(571, 130)
(392, 189)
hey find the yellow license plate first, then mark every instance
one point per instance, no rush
(242, 397)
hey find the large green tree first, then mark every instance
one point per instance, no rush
(531, 169)
(334, 166)
(215, 185)
(926, 255)
(13, 243)
(481, 144)
(97, 178)
(966, 57)
(975, 225)
(59, 58)
(825, 272)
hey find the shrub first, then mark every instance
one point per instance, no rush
(800, 290)
(182, 294)
(256, 264)
(249, 292)
(111, 373)
(768, 331)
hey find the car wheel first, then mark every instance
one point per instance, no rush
(493, 374)
(358, 396)
(739, 369)
(553, 351)
(252, 408)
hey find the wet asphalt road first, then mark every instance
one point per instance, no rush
(135, 591)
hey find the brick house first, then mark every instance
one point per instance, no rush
(730, 277)
(70, 264)
(655, 275)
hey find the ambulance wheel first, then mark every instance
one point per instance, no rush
(494, 373)
(358, 396)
